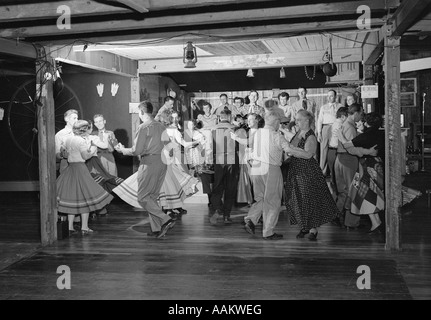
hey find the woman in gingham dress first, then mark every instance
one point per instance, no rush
(308, 199)
(367, 188)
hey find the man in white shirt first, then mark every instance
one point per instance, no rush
(106, 156)
(70, 116)
(302, 103)
(326, 117)
(266, 176)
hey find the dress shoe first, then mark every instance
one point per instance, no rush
(313, 236)
(336, 222)
(302, 234)
(153, 233)
(165, 228)
(215, 216)
(275, 236)
(377, 230)
(179, 211)
(249, 227)
(72, 232)
(227, 220)
(172, 215)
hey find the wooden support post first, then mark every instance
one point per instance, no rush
(393, 142)
(47, 175)
(135, 97)
(368, 80)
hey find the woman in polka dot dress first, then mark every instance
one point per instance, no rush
(308, 199)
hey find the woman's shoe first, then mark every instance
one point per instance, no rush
(172, 215)
(85, 232)
(313, 236)
(301, 234)
(179, 211)
(376, 230)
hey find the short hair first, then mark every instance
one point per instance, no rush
(305, 89)
(169, 98)
(283, 94)
(81, 127)
(260, 121)
(374, 119)
(257, 93)
(342, 111)
(271, 117)
(239, 98)
(97, 116)
(69, 112)
(355, 107)
(238, 116)
(335, 92)
(197, 124)
(270, 104)
(224, 114)
(146, 107)
(308, 115)
(223, 94)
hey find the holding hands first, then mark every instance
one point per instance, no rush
(119, 147)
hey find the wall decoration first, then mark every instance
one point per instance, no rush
(408, 85)
(114, 89)
(100, 89)
(408, 99)
(408, 90)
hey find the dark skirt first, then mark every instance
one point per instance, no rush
(78, 193)
(308, 199)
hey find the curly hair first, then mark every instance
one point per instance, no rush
(81, 127)
(373, 119)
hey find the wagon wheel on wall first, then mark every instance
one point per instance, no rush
(22, 115)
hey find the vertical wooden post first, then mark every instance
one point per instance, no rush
(393, 142)
(46, 133)
(135, 97)
(368, 80)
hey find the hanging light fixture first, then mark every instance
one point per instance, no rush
(282, 73)
(250, 73)
(190, 57)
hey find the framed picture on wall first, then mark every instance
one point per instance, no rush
(408, 99)
(408, 85)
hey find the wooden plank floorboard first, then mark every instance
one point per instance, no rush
(196, 260)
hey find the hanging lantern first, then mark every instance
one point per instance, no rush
(250, 73)
(190, 58)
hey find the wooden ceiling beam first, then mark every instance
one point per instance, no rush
(405, 16)
(83, 8)
(17, 48)
(137, 5)
(191, 20)
(100, 61)
(287, 59)
(208, 34)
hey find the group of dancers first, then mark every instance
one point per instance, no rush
(265, 156)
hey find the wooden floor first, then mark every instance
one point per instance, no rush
(196, 260)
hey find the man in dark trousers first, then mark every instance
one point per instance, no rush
(149, 143)
(226, 169)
